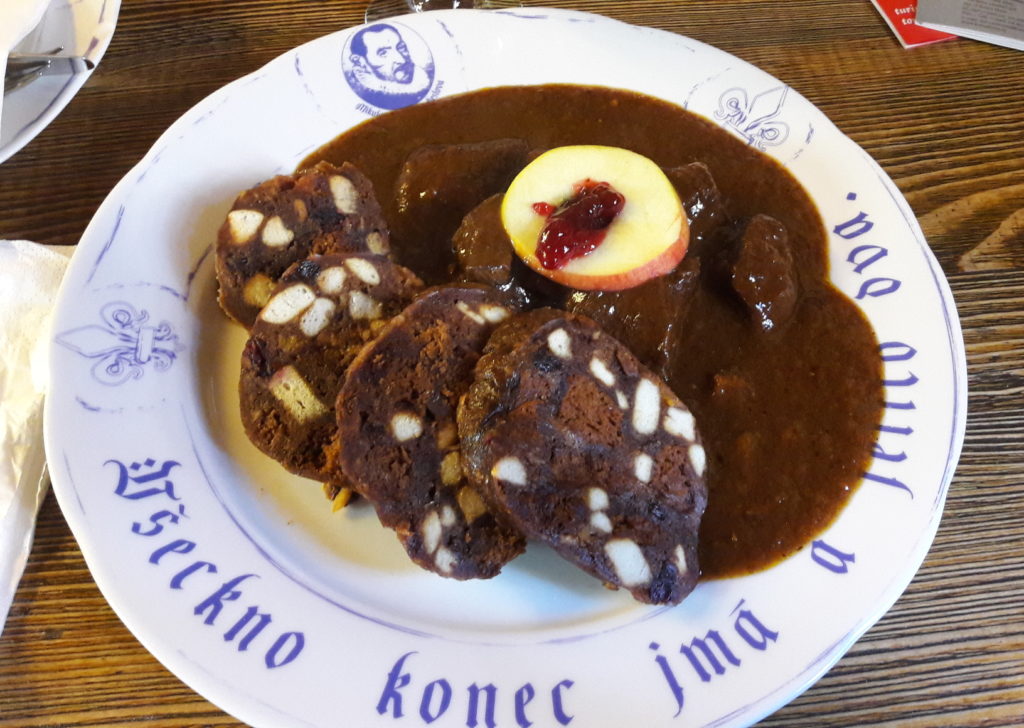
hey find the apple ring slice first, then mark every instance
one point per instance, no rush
(595, 218)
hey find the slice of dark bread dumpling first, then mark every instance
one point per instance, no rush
(397, 438)
(282, 221)
(585, 449)
(322, 313)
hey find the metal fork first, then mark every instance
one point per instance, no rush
(23, 68)
(15, 78)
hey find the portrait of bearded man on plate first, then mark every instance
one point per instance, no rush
(381, 70)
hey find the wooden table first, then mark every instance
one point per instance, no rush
(945, 121)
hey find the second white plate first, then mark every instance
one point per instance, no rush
(78, 27)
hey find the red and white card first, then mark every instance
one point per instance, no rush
(900, 16)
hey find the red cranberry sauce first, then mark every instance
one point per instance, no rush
(578, 225)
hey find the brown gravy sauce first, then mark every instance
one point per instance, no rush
(789, 417)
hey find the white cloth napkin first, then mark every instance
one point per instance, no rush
(17, 18)
(29, 277)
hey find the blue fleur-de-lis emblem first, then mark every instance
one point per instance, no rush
(124, 345)
(755, 119)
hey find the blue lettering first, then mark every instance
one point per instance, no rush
(156, 519)
(891, 482)
(143, 480)
(436, 699)
(263, 621)
(391, 696)
(881, 454)
(873, 258)
(215, 602)
(426, 713)
(125, 478)
(191, 569)
(764, 635)
(712, 659)
(854, 227)
(670, 678)
(907, 382)
(297, 640)
(899, 405)
(893, 429)
(556, 702)
(178, 546)
(831, 558)
(904, 352)
(523, 697)
(491, 693)
(876, 287)
(709, 655)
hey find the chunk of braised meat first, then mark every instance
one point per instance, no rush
(646, 318)
(763, 274)
(439, 184)
(481, 245)
(485, 255)
(701, 200)
(458, 177)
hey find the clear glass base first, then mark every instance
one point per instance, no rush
(379, 9)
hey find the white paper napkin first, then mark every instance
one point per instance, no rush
(29, 277)
(17, 18)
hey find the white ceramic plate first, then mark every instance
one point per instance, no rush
(237, 576)
(80, 27)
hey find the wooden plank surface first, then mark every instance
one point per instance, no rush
(945, 121)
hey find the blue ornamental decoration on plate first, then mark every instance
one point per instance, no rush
(239, 577)
(125, 344)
